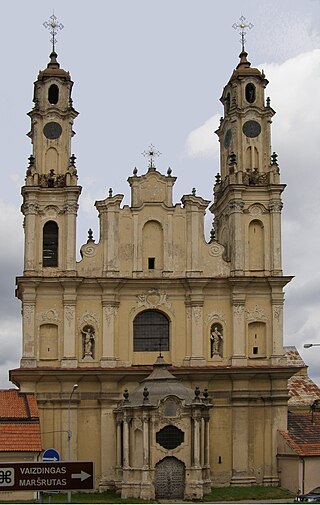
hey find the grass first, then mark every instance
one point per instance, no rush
(220, 494)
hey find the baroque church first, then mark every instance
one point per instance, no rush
(159, 355)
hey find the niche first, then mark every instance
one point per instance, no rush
(256, 245)
(152, 243)
(48, 340)
(257, 339)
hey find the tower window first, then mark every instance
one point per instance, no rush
(255, 350)
(50, 244)
(151, 263)
(53, 94)
(250, 92)
(151, 331)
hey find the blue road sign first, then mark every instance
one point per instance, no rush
(51, 455)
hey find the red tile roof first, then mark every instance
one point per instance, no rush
(303, 433)
(19, 421)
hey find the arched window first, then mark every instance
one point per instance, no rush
(50, 244)
(151, 331)
(53, 94)
(250, 92)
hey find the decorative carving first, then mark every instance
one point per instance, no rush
(238, 311)
(30, 208)
(89, 318)
(197, 314)
(28, 313)
(236, 206)
(89, 250)
(70, 208)
(189, 313)
(277, 312)
(216, 316)
(50, 315)
(275, 206)
(110, 311)
(51, 180)
(152, 299)
(257, 209)
(256, 314)
(69, 312)
(216, 249)
(255, 178)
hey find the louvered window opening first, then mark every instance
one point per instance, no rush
(170, 437)
(151, 332)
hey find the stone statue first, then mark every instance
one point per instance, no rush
(88, 342)
(216, 340)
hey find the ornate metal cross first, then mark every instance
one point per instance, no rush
(53, 25)
(241, 26)
(151, 153)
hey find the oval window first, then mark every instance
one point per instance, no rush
(53, 94)
(250, 92)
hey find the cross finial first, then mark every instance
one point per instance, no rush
(151, 153)
(241, 26)
(53, 25)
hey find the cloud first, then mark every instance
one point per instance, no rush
(203, 142)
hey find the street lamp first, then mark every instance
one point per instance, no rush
(307, 346)
(75, 386)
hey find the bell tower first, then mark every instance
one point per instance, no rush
(50, 194)
(247, 193)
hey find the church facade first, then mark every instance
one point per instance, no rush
(175, 343)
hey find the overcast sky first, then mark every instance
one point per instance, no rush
(152, 71)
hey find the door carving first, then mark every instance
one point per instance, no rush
(170, 478)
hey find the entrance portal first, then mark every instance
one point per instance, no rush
(169, 478)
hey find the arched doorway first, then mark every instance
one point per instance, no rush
(170, 478)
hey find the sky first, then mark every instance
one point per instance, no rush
(152, 71)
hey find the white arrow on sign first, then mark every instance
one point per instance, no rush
(50, 459)
(82, 475)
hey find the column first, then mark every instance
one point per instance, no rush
(196, 440)
(119, 443)
(146, 441)
(275, 230)
(69, 359)
(110, 310)
(30, 211)
(29, 359)
(71, 210)
(125, 445)
(236, 221)
(239, 334)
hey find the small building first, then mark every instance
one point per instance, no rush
(299, 446)
(20, 436)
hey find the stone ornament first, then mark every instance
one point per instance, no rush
(256, 313)
(152, 299)
(89, 250)
(216, 249)
(50, 315)
(216, 316)
(89, 318)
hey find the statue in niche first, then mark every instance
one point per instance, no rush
(88, 341)
(216, 340)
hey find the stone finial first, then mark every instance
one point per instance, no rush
(145, 395)
(232, 159)
(73, 160)
(194, 191)
(135, 171)
(110, 192)
(218, 178)
(274, 158)
(169, 171)
(126, 396)
(206, 395)
(90, 236)
(212, 234)
(268, 101)
(31, 160)
(197, 393)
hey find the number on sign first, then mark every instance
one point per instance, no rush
(7, 476)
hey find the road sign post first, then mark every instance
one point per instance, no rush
(46, 476)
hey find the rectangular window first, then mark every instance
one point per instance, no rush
(151, 263)
(255, 350)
